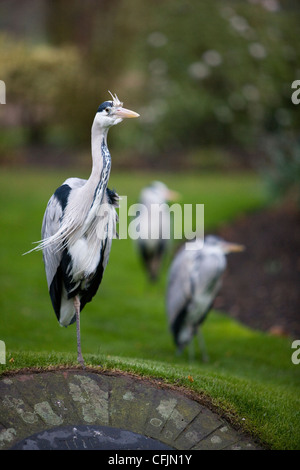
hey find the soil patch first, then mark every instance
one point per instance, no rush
(261, 286)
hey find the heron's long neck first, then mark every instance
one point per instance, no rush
(98, 179)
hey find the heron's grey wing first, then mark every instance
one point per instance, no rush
(75, 183)
(206, 282)
(194, 278)
(180, 286)
(54, 211)
(51, 221)
(207, 273)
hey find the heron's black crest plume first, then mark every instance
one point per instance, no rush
(106, 104)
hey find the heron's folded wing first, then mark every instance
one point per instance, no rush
(179, 285)
(51, 222)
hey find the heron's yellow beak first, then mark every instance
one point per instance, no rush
(173, 195)
(125, 113)
(234, 248)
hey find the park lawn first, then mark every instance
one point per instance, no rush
(250, 374)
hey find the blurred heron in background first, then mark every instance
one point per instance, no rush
(79, 224)
(154, 223)
(195, 278)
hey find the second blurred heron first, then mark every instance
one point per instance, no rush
(195, 279)
(154, 224)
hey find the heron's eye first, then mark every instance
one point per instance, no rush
(107, 110)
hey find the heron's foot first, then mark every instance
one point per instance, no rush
(81, 360)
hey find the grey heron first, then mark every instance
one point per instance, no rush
(79, 224)
(155, 227)
(195, 278)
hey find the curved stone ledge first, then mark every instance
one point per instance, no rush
(69, 399)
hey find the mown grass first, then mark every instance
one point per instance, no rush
(250, 374)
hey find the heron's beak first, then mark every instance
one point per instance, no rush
(234, 248)
(125, 113)
(173, 195)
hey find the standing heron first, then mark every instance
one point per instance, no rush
(79, 224)
(154, 226)
(195, 278)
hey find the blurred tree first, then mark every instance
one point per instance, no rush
(219, 73)
(202, 73)
(35, 77)
(281, 167)
(102, 35)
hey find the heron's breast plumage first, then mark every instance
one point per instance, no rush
(83, 264)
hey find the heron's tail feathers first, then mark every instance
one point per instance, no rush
(57, 242)
(46, 243)
(71, 231)
(36, 248)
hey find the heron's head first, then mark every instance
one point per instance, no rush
(112, 112)
(164, 192)
(219, 244)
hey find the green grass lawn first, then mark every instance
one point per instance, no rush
(250, 374)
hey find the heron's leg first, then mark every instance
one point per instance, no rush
(202, 346)
(192, 350)
(77, 309)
